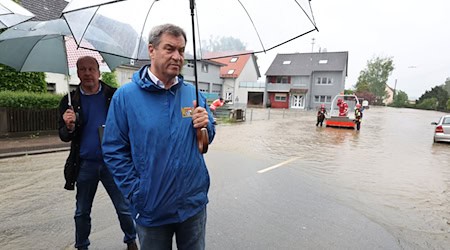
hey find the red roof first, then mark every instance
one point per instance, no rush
(73, 53)
(234, 65)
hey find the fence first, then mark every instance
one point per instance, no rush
(258, 114)
(13, 120)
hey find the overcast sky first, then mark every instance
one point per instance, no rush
(416, 34)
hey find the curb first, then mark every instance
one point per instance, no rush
(33, 152)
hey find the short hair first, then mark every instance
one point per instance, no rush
(154, 37)
(90, 58)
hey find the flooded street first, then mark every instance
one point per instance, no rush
(388, 182)
(389, 171)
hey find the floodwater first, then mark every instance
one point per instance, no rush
(390, 170)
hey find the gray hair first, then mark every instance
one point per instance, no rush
(154, 37)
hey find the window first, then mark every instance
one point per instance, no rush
(230, 72)
(205, 67)
(233, 59)
(324, 80)
(282, 79)
(286, 62)
(229, 96)
(323, 61)
(322, 98)
(51, 87)
(280, 97)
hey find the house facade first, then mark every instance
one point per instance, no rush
(389, 98)
(240, 80)
(305, 80)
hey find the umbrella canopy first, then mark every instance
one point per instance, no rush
(37, 46)
(12, 13)
(260, 24)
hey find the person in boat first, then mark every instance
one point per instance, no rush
(321, 115)
(343, 107)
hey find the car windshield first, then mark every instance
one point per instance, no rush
(446, 120)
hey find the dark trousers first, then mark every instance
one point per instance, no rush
(190, 234)
(91, 173)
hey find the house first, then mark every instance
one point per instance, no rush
(208, 74)
(306, 80)
(240, 75)
(389, 98)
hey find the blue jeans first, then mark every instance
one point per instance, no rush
(190, 234)
(91, 172)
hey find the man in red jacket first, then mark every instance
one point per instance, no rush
(217, 103)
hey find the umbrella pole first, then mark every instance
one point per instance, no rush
(202, 134)
(69, 98)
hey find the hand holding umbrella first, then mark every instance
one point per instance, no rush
(200, 120)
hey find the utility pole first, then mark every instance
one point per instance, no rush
(395, 88)
(312, 49)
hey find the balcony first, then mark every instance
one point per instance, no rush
(278, 87)
(253, 85)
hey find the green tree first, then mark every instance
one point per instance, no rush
(447, 85)
(12, 80)
(400, 99)
(110, 78)
(428, 103)
(374, 78)
(439, 93)
(218, 44)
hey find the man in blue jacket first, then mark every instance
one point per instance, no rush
(151, 149)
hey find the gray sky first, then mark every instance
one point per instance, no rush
(416, 34)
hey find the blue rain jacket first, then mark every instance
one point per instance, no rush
(150, 147)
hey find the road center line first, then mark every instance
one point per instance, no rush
(277, 166)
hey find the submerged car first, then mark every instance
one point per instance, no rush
(442, 129)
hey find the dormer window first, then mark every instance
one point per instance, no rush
(323, 61)
(233, 59)
(286, 62)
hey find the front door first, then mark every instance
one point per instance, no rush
(298, 101)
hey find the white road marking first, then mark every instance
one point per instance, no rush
(277, 166)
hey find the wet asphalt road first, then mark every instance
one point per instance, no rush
(275, 184)
(278, 209)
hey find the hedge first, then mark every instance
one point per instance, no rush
(16, 99)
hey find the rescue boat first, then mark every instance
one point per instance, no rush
(342, 113)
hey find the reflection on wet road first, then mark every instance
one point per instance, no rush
(390, 170)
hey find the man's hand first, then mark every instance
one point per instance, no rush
(69, 118)
(199, 116)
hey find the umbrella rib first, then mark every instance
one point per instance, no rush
(90, 6)
(87, 26)
(289, 40)
(143, 27)
(251, 20)
(260, 51)
(312, 21)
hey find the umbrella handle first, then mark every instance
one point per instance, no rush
(202, 140)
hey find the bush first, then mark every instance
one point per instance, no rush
(14, 99)
(428, 103)
(12, 80)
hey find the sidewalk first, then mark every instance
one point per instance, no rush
(28, 145)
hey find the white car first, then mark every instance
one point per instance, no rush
(442, 129)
